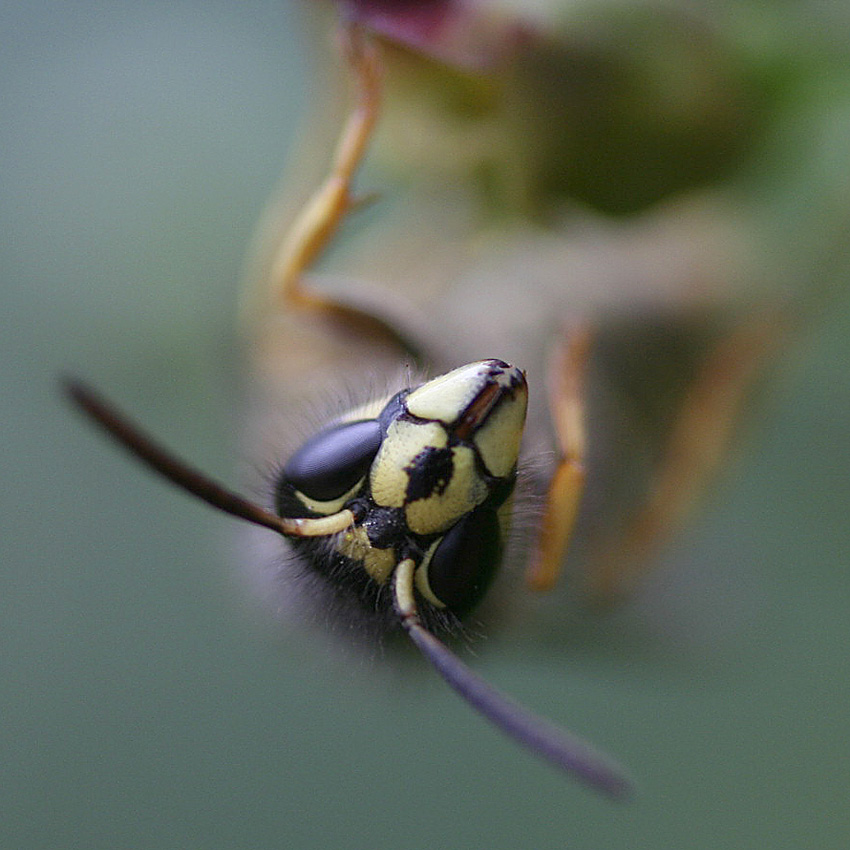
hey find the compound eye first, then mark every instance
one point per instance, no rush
(393, 409)
(463, 565)
(328, 465)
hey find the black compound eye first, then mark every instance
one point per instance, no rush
(464, 563)
(331, 463)
(393, 409)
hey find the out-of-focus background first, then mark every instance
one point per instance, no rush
(145, 702)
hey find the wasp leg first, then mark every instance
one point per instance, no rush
(567, 369)
(698, 441)
(319, 220)
(321, 217)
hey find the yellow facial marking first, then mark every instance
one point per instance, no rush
(404, 441)
(465, 490)
(330, 507)
(378, 563)
(444, 397)
(499, 436)
(354, 544)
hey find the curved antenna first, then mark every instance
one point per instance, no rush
(540, 736)
(190, 479)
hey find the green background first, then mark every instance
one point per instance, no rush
(144, 702)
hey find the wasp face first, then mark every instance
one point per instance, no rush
(424, 478)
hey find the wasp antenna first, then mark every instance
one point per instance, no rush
(532, 731)
(188, 478)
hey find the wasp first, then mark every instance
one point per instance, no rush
(399, 507)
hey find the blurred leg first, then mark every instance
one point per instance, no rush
(318, 222)
(698, 441)
(566, 404)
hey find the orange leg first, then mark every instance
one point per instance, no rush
(698, 441)
(321, 217)
(566, 403)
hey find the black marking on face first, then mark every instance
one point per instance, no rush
(429, 473)
(385, 527)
